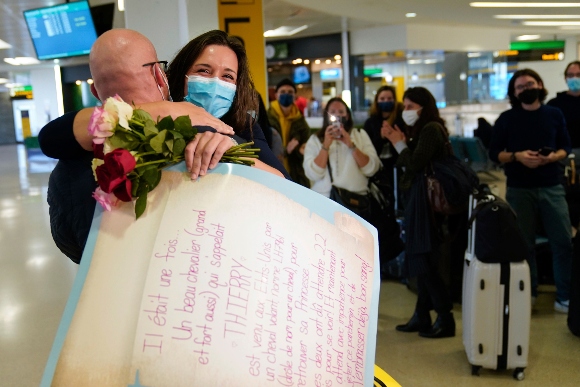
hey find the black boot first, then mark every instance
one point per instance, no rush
(417, 323)
(444, 326)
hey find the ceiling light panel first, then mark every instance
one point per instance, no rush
(551, 23)
(512, 17)
(503, 4)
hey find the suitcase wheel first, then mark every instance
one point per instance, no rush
(475, 370)
(519, 374)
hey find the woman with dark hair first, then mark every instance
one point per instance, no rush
(212, 72)
(385, 113)
(426, 141)
(186, 71)
(346, 151)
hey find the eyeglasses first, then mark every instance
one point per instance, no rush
(528, 85)
(162, 63)
(573, 75)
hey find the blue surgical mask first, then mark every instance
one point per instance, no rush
(573, 84)
(212, 94)
(286, 99)
(386, 106)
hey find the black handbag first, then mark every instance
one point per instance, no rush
(449, 183)
(498, 237)
(357, 203)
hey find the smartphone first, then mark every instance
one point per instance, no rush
(545, 151)
(335, 122)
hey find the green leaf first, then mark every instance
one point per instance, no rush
(175, 134)
(183, 126)
(126, 140)
(134, 185)
(150, 128)
(141, 115)
(141, 201)
(166, 123)
(155, 182)
(151, 175)
(158, 142)
(140, 204)
(178, 147)
(169, 144)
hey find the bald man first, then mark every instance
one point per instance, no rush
(122, 62)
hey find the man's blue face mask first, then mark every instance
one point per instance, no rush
(286, 99)
(212, 94)
(573, 84)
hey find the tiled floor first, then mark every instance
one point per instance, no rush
(35, 279)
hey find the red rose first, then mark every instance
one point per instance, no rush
(111, 174)
(123, 191)
(98, 151)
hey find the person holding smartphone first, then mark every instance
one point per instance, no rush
(530, 139)
(349, 152)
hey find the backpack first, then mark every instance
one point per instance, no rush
(497, 235)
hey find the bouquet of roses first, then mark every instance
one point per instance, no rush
(131, 149)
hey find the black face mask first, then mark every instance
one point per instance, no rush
(529, 96)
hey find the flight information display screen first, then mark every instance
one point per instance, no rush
(61, 31)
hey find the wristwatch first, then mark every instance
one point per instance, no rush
(513, 157)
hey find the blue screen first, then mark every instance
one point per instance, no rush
(61, 31)
(301, 74)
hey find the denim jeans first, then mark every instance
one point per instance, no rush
(546, 205)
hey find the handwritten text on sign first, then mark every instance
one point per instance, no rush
(271, 300)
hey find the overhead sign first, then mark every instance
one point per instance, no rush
(21, 92)
(331, 74)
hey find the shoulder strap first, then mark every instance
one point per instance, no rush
(482, 203)
(446, 136)
(329, 169)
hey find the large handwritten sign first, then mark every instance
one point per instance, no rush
(232, 283)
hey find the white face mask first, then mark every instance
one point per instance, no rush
(410, 117)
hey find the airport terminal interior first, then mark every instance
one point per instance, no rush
(463, 52)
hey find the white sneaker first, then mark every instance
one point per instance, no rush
(561, 306)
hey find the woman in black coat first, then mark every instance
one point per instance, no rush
(426, 141)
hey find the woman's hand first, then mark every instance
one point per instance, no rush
(328, 136)
(345, 137)
(385, 128)
(205, 151)
(393, 134)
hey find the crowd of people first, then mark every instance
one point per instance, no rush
(209, 80)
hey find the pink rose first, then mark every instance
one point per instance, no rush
(106, 200)
(101, 125)
(104, 119)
